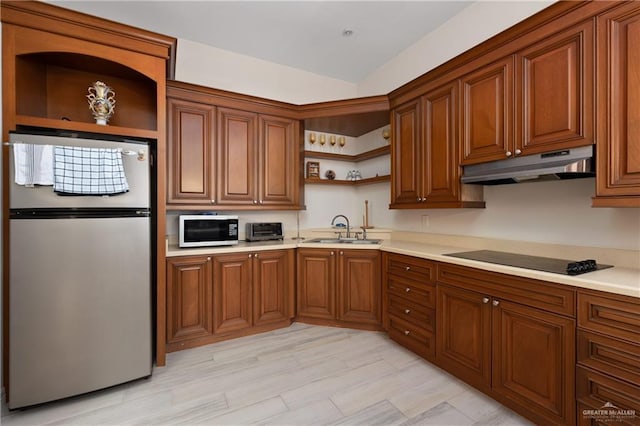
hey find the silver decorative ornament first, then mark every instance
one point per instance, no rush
(102, 102)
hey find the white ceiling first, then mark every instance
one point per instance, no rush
(301, 34)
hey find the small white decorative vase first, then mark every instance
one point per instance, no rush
(102, 102)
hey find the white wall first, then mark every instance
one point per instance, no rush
(212, 67)
(474, 24)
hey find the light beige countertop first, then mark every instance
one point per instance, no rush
(618, 280)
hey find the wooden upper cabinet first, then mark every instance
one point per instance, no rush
(554, 92)
(190, 153)
(406, 159)
(486, 120)
(618, 70)
(425, 164)
(440, 177)
(237, 156)
(279, 165)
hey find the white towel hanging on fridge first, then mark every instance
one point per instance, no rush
(33, 164)
(89, 171)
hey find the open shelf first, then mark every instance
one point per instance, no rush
(366, 181)
(50, 123)
(378, 152)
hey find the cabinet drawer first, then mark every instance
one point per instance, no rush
(610, 356)
(421, 293)
(594, 390)
(613, 316)
(551, 297)
(411, 267)
(412, 312)
(414, 338)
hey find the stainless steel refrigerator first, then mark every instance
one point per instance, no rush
(80, 279)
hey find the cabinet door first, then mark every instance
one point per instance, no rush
(237, 157)
(463, 336)
(441, 166)
(190, 153)
(316, 283)
(555, 84)
(618, 177)
(272, 286)
(359, 286)
(188, 298)
(232, 292)
(406, 154)
(279, 165)
(487, 112)
(534, 361)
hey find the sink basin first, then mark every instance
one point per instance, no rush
(341, 241)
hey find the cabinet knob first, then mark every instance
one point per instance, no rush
(508, 153)
(419, 199)
(341, 253)
(407, 268)
(260, 201)
(250, 255)
(255, 201)
(485, 300)
(495, 302)
(255, 255)
(213, 201)
(407, 311)
(208, 258)
(406, 332)
(407, 290)
(518, 151)
(331, 253)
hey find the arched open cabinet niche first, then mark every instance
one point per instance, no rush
(51, 89)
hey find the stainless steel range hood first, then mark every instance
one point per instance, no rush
(565, 164)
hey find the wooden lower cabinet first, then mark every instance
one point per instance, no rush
(409, 302)
(217, 297)
(522, 356)
(608, 359)
(339, 287)
(189, 311)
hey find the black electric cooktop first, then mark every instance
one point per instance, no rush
(546, 264)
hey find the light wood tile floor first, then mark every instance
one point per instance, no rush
(301, 375)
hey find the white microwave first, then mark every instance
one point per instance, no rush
(204, 230)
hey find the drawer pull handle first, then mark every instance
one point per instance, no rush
(407, 311)
(407, 290)
(406, 332)
(496, 302)
(485, 300)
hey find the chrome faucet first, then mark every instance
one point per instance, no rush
(333, 221)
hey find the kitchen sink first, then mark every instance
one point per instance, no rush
(341, 241)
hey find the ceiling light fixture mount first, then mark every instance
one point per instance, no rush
(347, 32)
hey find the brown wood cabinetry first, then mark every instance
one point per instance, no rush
(217, 297)
(191, 158)
(521, 353)
(232, 152)
(487, 112)
(339, 287)
(618, 92)
(409, 302)
(424, 156)
(554, 92)
(608, 357)
(189, 294)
